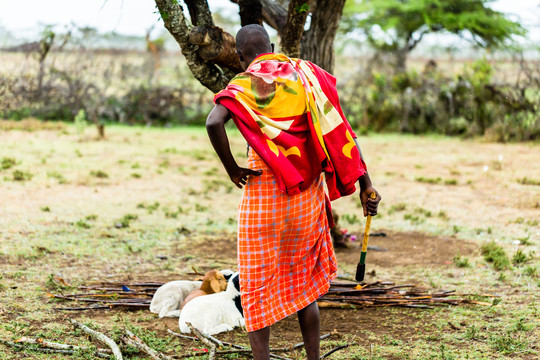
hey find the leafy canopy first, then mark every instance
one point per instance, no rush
(400, 24)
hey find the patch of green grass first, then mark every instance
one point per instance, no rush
(461, 262)
(495, 255)
(525, 240)
(442, 215)
(125, 221)
(414, 219)
(508, 343)
(472, 332)
(150, 208)
(351, 218)
(450, 182)
(45, 209)
(99, 174)
(531, 271)
(521, 258)
(19, 175)
(422, 211)
(136, 175)
(200, 208)
(427, 180)
(527, 181)
(56, 175)
(7, 163)
(397, 208)
(83, 224)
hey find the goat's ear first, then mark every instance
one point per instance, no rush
(215, 285)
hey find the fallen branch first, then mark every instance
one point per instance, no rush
(204, 340)
(99, 336)
(242, 349)
(59, 346)
(135, 341)
(47, 350)
(334, 350)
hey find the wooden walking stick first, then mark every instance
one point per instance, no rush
(361, 267)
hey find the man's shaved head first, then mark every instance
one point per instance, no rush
(251, 41)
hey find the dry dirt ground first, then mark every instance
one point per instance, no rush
(150, 204)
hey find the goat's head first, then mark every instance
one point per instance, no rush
(213, 282)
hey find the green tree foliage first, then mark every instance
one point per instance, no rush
(397, 26)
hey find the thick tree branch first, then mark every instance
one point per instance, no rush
(204, 71)
(217, 46)
(200, 13)
(250, 12)
(273, 13)
(292, 32)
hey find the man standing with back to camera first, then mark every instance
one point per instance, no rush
(289, 113)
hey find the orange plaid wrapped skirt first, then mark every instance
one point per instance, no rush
(285, 255)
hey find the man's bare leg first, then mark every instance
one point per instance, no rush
(259, 341)
(310, 327)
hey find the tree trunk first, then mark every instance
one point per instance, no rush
(292, 32)
(400, 65)
(250, 12)
(318, 44)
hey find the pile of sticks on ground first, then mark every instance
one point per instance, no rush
(214, 348)
(341, 295)
(379, 294)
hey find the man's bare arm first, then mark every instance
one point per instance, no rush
(215, 126)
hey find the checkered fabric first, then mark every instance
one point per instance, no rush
(285, 255)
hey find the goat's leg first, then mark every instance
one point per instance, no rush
(310, 327)
(259, 341)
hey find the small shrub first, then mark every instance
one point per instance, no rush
(422, 211)
(520, 258)
(200, 208)
(414, 219)
(531, 271)
(351, 218)
(99, 174)
(19, 175)
(461, 262)
(428, 180)
(91, 217)
(45, 209)
(7, 163)
(125, 221)
(496, 255)
(450, 182)
(83, 224)
(526, 181)
(442, 214)
(80, 122)
(136, 175)
(149, 208)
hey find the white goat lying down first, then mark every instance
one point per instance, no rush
(169, 297)
(215, 313)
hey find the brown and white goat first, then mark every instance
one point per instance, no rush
(213, 282)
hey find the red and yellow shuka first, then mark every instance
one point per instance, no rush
(289, 113)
